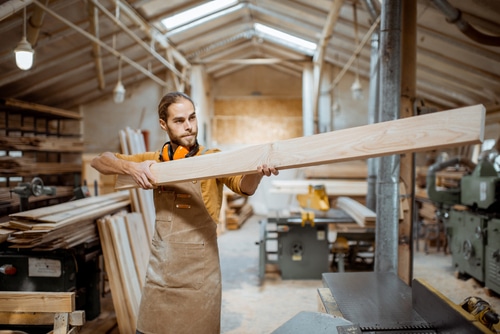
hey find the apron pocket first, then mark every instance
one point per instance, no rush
(180, 265)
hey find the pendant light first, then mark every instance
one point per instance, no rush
(24, 52)
(119, 91)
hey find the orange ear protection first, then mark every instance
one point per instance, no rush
(180, 152)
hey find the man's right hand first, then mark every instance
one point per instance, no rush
(107, 163)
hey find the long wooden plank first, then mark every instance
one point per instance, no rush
(333, 187)
(41, 108)
(360, 213)
(53, 302)
(456, 127)
(49, 210)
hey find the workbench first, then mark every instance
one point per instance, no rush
(382, 303)
(376, 303)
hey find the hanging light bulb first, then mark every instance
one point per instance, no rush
(119, 91)
(357, 89)
(24, 52)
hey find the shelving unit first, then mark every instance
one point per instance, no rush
(38, 141)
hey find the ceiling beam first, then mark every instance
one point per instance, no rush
(319, 57)
(11, 7)
(96, 48)
(103, 45)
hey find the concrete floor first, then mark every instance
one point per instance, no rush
(251, 308)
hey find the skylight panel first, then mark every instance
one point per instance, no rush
(284, 38)
(195, 13)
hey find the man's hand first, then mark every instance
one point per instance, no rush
(250, 182)
(107, 163)
(141, 173)
(267, 171)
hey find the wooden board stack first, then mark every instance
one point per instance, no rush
(126, 250)
(132, 142)
(63, 225)
(126, 244)
(238, 211)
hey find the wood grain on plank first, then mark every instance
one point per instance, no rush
(464, 126)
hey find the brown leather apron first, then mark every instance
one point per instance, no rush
(182, 293)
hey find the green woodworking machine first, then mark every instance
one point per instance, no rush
(470, 214)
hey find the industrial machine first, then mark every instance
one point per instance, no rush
(34, 188)
(298, 245)
(470, 213)
(69, 270)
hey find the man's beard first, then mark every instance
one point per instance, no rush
(186, 142)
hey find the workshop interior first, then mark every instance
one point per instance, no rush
(382, 117)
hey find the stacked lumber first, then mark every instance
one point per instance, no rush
(427, 213)
(451, 176)
(46, 144)
(132, 142)
(126, 250)
(63, 225)
(357, 169)
(238, 211)
(360, 213)
(23, 166)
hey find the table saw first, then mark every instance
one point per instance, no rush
(369, 302)
(301, 249)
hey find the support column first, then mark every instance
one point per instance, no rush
(199, 94)
(407, 163)
(307, 100)
(386, 235)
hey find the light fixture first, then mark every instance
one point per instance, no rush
(24, 52)
(119, 91)
(336, 100)
(356, 88)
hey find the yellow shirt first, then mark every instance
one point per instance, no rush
(211, 189)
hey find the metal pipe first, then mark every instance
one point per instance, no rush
(372, 8)
(454, 16)
(373, 118)
(386, 234)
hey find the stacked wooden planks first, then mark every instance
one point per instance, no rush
(63, 225)
(126, 250)
(238, 211)
(46, 144)
(23, 166)
(132, 142)
(126, 244)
